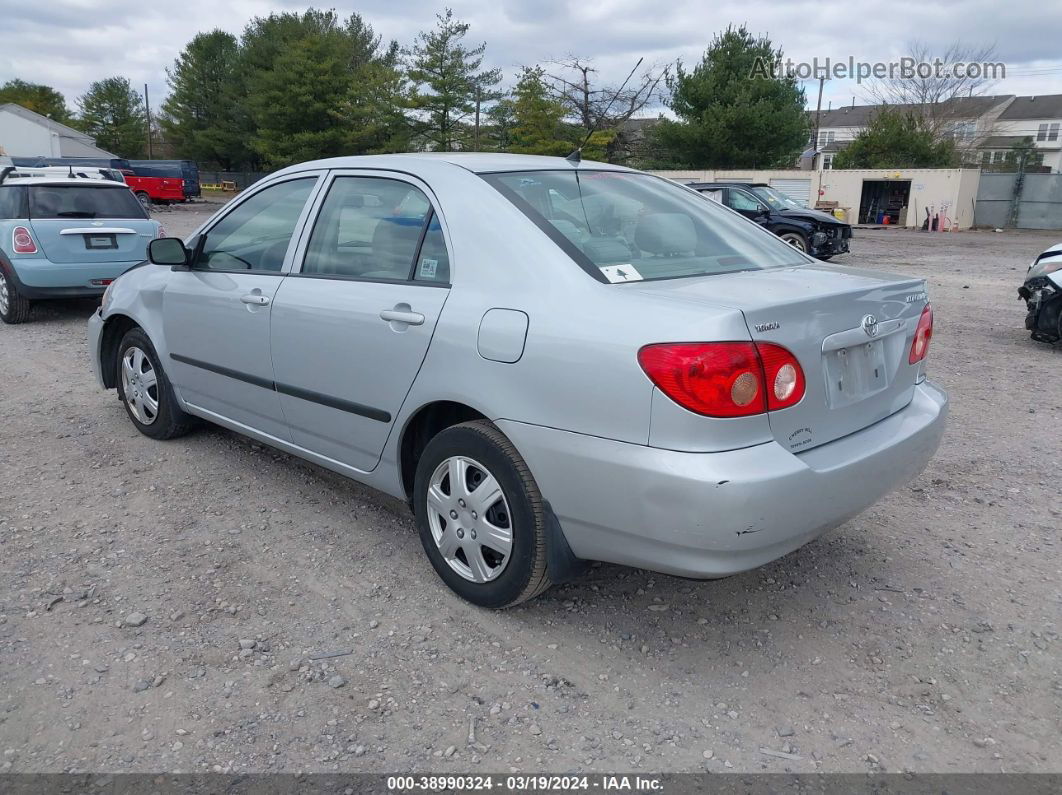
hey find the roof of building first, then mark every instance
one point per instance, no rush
(1047, 106)
(860, 115)
(62, 130)
(1002, 141)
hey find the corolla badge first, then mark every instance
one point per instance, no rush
(870, 325)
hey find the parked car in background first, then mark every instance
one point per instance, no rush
(185, 170)
(817, 233)
(65, 237)
(552, 362)
(1042, 293)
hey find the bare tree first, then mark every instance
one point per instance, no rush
(936, 92)
(595, 106)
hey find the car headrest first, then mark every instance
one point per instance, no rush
(394, 241)
(666, 233)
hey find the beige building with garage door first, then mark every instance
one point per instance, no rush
(867, 195)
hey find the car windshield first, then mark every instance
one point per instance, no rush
(776, 200)
(83, 201)
(623, 226)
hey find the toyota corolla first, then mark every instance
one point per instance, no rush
(553, 362)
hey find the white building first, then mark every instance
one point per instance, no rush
(983, 127)
(24, 133)
(1038, 118)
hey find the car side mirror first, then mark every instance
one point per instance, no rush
(763, 211)
(168, 251)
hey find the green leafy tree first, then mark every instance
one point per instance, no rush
(897, 138)
(113, 114)
(447, 82)
(538, 117)
(310, 78)
(203, 117)
(732, 112)
(41, 99)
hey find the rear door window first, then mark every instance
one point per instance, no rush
(371, 228)
(83, 201)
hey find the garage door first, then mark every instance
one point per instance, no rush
(799, 190)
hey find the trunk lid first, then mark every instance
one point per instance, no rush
(857, 370)
(83, 241)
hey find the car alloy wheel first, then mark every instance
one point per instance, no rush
(140, 385)
(796, 241)
(469, 519)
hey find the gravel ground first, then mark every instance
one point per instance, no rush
(161, 603)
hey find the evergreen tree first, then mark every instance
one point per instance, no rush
(203, 115)
(447, 82)
(113, 114)
(897, 139)
(538, 117)
(732, 112)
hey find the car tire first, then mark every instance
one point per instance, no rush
(145, 391)
(144, 199)
(14, 307)
(477, 566)
(796, 240)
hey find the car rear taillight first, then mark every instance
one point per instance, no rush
(923, 334)
(782, 374)
(725, 379)
(22, 241)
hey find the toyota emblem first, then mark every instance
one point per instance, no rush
(870, 325)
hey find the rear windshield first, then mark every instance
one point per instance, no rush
(77, 201)
(622, 226)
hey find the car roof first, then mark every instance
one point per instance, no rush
(476, 162)
(64, 181)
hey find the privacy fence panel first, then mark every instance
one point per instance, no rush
(1039, 205)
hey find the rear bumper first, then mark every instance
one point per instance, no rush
(708, 515)
(41, 278)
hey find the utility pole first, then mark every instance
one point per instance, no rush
(147, 108)
(818, 112)
(1019, 185)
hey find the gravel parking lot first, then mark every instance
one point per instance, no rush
(923, 635)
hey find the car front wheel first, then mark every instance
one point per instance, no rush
(796, 240)
(481, 517)
(14, 308)
(145, 390)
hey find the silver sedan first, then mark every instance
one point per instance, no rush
(552, 362)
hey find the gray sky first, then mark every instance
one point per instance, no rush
(69, 43)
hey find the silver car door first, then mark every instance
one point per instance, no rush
(216, 314)
(352, 322)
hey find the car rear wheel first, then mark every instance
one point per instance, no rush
(481, 517)
(144, 199)
(14, 308)
(796, 240)
(145, 390)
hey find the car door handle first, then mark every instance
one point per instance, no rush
(399, 316)
(255, 299)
